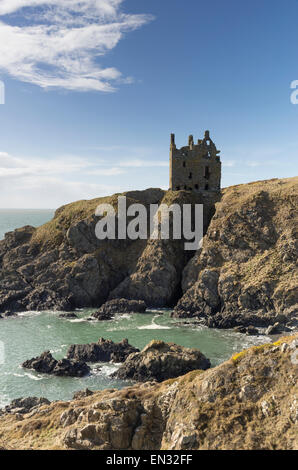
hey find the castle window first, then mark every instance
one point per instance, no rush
(207, 172)
(184, 164)
(206, 187)
(190, 176)
(178, 188)
(196, 186)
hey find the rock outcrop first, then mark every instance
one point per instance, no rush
(25, 405)
(68, 316)
(105, 350)
(46, 364)
(247, 268)
(246, 403)
(161, 361)
(109, 309)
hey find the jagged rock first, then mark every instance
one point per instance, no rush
(110, 308)
(70, 315)
(161, 361)
(105, 350)
(67, 368)
(25, 405)
(82, 393)
(46, 364)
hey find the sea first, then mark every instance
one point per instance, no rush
(30, 333)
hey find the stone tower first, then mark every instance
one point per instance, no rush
(196, 167)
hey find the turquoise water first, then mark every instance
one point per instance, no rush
(11, 219)
(30, 334)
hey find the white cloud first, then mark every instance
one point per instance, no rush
(61, 44)
(143, 163)
(40, 183)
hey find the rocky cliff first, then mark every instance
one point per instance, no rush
(62, 265)
(248, 402)
(246, 269)
(248, 264)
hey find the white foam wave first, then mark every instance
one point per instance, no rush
(154, 326)
(33, 377)
(30, 313)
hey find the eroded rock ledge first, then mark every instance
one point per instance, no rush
(248, 402)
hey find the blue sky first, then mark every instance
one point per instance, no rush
(94, 89)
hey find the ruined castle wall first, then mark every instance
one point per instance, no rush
(190, 170)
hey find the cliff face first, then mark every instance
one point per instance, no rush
(248, 402)
(62, 265)
(248, 262)
(249, 258)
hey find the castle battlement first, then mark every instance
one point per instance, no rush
(195, 167)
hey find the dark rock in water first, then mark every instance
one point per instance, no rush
(67, 368)
(68, 315)
(274, 329)
(110, 308)
(46, 364)
(8, 314)
(161, 361)
(249, 330)
(25, 405)
(82, 394)
(104, 350)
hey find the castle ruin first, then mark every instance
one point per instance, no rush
(196, 167)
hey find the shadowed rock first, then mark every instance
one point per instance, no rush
(104, 350)
(110, 308)
(46, 364)
(161, 361)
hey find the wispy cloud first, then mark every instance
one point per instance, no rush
(62, 41)
(36, 182)
(51, 182)
(143, 163)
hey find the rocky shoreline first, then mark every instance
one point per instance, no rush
(244, 276)
(248, 402)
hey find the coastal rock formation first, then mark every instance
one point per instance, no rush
(247, 268)
(69, 316)
(161, 361)
(247, 403)
(62, 265)
(247, 265)
(104, 350)
(46, 364)
(110, 308)
(25, 405)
